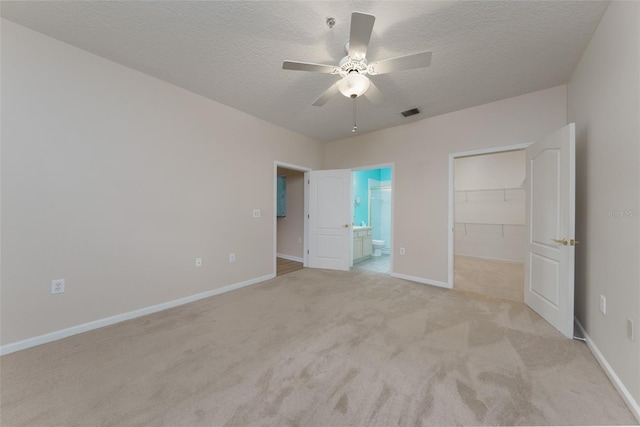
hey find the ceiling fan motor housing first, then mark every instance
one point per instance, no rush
(349, 65)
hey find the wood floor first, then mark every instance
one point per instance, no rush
(285, 266)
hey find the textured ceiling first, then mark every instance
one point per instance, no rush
(232, 51)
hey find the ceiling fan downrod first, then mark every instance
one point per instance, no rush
(355, 126)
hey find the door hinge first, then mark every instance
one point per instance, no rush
(307, 251)
(308, 216)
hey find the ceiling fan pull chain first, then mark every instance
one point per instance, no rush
(355, 126)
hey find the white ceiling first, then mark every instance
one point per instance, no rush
(232, 51)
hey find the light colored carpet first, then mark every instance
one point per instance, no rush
(492, 278)
(316, 348)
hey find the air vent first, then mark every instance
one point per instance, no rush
(411, 112)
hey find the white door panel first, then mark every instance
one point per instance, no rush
(549, 257)
(329, 219)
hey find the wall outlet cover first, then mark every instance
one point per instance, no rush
(603, 304)
(57, 286)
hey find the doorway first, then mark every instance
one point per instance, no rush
(489, 198)
(372, 218)
(289, 224)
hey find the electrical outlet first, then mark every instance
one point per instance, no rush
(57, 286)
(630, 331)
(198, 262)
(232, 257)
(401, 251)
(256, 213)
(603, 304)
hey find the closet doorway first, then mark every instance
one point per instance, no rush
(290, 246)
(490, 223)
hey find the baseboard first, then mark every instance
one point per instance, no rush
(421, 280)
(634, 407)
(290, 257)
(85, 327)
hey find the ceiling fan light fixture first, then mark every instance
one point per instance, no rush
(353, 85)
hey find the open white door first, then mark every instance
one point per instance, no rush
(550, 246)
(329, 219)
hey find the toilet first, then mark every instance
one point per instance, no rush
(377, 247)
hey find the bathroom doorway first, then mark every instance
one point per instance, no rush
(372, 219)
(489, 223)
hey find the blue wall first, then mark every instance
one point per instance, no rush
(385, 174)
(361, 189)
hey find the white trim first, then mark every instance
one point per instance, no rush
(369, 167)
(85, 327)
(492, 150)
(421, 280)
(290, 257)
(278, 164)
(634, 407)
(452, 157)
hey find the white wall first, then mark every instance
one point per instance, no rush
(490, 224)
(116, 182)
(291, 228)
(604, 102)
(421, 151)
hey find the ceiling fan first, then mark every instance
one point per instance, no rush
(354, 68)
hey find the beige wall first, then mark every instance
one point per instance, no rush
(291, 228)
(116, 182)
(496, 170)
(604, 102)
(420, 151)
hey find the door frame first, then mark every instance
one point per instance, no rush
(451, 222)
(391, 165)
(278, 164)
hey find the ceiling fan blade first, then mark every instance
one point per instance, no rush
(361, 28)
(326, 95)
(308, 66)
(374, 95)
(407, 62)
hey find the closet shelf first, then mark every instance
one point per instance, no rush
(504, 192)
(464, 224)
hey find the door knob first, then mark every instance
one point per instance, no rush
(346, 226)
(563, 242)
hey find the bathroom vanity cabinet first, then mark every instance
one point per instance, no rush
(362, 243)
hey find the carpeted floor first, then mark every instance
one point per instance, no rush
(316, 348)
(497, 279)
